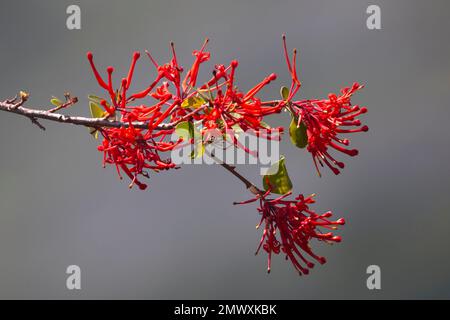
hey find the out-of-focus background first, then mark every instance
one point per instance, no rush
(183, 238)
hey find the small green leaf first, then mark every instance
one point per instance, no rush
(193, 102)
(185, 130)
(199, 151)
(96, 111)
(56, 102)
(284, 91)
(93, 132)
(277, 178)
(298, 135)
(97, 100)
(94, 98)
(188, 131)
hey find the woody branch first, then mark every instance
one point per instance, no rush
(34, 114)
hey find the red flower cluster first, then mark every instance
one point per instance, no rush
(289, 226)
(230, 109)
(327, 118)
(217, 104)
(133, 150)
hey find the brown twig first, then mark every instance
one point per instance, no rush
(69, 102)
(17, 108)
(10, 105)
(250, 186)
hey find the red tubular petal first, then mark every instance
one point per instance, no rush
(100, 81)
(136, 56)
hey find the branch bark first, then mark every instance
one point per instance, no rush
(35, 114)
(250, 186)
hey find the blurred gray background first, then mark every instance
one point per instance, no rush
(183, 238)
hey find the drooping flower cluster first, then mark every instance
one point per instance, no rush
(325, 120)
(134, 154)
(290, 225)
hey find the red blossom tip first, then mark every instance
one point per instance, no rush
(335, 170)
(353, 152)
(136, 55)
(234, 63)
(336, 239)
(356, 85)
(110, 69)
(340, 221)
(363, 110)
(272, 77)
(89, 55)
(365, 128)
(142, 186)
(322, 260)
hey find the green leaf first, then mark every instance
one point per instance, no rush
(284, 91)
(185, 130)
(199, 151)
(94, 98)
(298, 135)
(93, 132)
(277, 178)
(188, 131)
(193, 102)
(56, 102)
(96, 110)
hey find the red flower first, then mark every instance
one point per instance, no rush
(325, 120)
(229, 107)
(130, 150)
(191, 77)
(290, 225)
